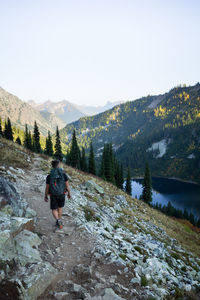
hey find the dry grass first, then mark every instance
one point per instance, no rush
(12, 154)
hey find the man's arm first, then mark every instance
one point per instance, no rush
(46, 193)
(68, 189)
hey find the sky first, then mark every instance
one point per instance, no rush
(94, 51)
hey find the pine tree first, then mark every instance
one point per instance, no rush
(191, 218)
(83, 161)
(36, 138)
(26, 139)
(91, 166)
(18, 140)
(49, 145)
(112, 164)
(5, 133)
(108, 164)
(102, 166)
(9, 128)
(128, 187)
(67, 159)
(121, 178)
(58, 148)
(8, 134)
(198, 223)
(1, 131)
(117, 174)
(147, 188)
(74, 155)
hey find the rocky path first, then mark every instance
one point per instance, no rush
(106, 250)
(64, 249)
(69, 250)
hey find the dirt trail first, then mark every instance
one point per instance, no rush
(63, 250)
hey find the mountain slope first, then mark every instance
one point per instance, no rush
(94, 110)
(22, 113)
(69, 112)
(110, 245)
(162, 129)
(64, 110)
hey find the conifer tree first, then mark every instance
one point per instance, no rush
(117, 174)
(8, 134)
(91, 166)
(83, 162)
(121, 177)
(1, 131)
(74, 155)
(49, 145)
(5, 133)
(128, 187)
(102, 166)
(26, 137)
(198, 223)
(112, 164)
(67, 160)
(191, 218)
(58, 148)
(107, 164)
(147, 187)
(36, 138)
(18, 140)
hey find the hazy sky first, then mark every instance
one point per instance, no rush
(92, 51)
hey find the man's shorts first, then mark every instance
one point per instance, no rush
(57, 201)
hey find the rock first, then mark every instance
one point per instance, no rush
(28, 283)
(24, 243)
(106, 294)
(30, 213)
(61, 295)
(121, 200)
(9, 196)
(7, 209)
(109, 294)
(82, 272)
(187, 287)
(91, 185)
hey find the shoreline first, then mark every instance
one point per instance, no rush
(171, 178)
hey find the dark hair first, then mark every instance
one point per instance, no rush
(55, 163)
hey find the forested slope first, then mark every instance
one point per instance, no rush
(164, 129)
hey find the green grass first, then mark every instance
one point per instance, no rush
(144, 281)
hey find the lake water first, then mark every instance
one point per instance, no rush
(180, 194)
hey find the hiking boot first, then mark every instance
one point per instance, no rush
(59, 224)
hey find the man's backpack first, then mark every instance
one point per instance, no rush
(57, 182)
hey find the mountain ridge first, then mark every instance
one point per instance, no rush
(138, 128)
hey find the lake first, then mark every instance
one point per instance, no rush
(180, 194)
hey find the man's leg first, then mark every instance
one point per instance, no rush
(59, 212)
(55, 213)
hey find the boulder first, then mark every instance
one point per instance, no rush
(10, 196)
(82, 272)
(26, 243)
(28, 283)
(91, 185)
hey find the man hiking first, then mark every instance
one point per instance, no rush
(56, 186)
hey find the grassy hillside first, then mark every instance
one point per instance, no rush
(162, 129)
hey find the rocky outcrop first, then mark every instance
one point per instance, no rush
(151, 259)
(23, 273)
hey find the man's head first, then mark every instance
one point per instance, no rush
(55, 163)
